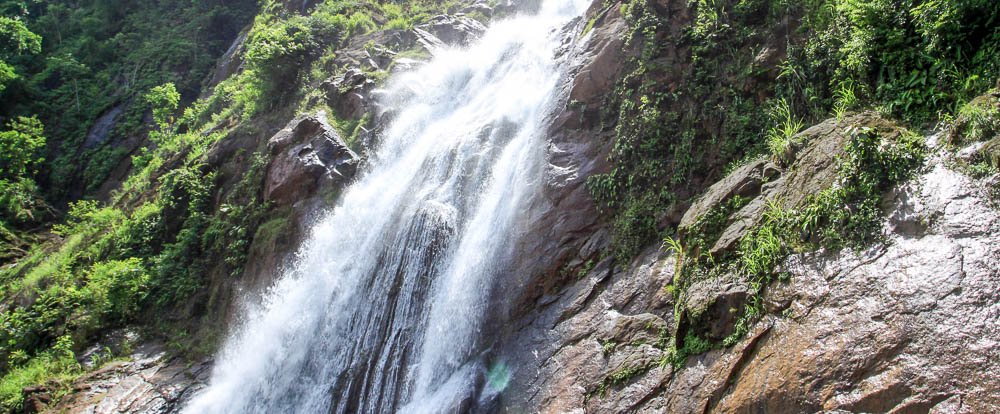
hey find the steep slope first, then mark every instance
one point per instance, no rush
(692, 247)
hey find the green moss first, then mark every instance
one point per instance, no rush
(619, 377)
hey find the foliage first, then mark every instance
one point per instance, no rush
(912, 59)
(779, 138)
(95, 55)
(164, 100)
(669, 142)
(57, 364)
(15, 40)
(21, 148)
(978, 120)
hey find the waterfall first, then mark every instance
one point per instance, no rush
(383, 310)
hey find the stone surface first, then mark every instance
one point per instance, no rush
(453, 29)
(713, 305)
(912, 325)
(308, 155)
(810, 167)
(150, 383)
(348, 94)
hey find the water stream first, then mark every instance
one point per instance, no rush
(383, 310)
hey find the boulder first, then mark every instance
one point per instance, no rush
(308, 156)
(348, 93)
(905, 326)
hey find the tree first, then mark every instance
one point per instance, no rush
(21, 148)
(164, 100)
(20, 152)
(15, 40)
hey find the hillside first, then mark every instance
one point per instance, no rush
(458, 206)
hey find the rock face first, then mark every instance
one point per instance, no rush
(906, 326)
(455, 30)
(150, 383)
(308, 156)
(811, 166)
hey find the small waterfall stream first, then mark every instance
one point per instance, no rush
(383, 310)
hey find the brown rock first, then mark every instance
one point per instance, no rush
(308, 156)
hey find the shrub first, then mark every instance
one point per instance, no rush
(58, 364)
(117, 288)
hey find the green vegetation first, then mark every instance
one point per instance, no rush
(914, 60)
(18, 41)
(75, 61)
(57, 365)
(779, 138)
(848, 214)
(682, 122)
(180, 223)
(21, 145)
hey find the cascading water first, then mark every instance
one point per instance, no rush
(384, 308)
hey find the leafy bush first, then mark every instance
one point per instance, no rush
(117, 288)
(21, 148)
(57, 364)
(163, 100)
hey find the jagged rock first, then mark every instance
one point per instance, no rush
(308, 155)
(607, 323)
(348, 93)
(712, 306)
(907, 326)
(745, 181)
(151, 383)
(442, 30)
(566, 233)
(454, 29)
(811, 167)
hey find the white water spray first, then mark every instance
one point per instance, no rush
(383, 310)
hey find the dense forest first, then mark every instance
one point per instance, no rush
(113, 213)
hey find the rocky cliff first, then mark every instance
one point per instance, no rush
(852, 268)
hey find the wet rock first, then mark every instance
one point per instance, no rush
(308, 157)
(151, 383)
(454, 29)
(908, 326)
(101, 130)
(604, 55)
(603, 325)
(447, 30)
